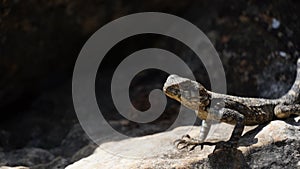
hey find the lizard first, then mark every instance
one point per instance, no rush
(234, 110)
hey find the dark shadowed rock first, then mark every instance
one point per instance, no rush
(57, 163)
(26, 157)
(69, 146)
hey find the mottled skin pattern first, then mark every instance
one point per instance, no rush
(238, 111)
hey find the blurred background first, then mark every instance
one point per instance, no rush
(40, 40)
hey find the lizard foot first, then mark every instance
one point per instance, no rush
(187, 142)
(191, 143)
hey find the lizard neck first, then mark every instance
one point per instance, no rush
(202, 114)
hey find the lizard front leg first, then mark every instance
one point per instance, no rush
(213, 115)
(187, 141)
(229, 116)
(205, 127)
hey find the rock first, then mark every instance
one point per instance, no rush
(57, 163)
(84, 152)
(69, 146)
(26, 157)
(260, 147)
(18, 167)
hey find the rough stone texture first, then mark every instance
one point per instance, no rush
(68, 146)
(26, 157)
(74, 146)
(57, 163)
(19, 167)
(273, 146)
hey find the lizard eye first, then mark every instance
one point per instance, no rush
(176, 92)
(173, 91)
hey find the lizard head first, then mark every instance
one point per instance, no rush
(189, 93)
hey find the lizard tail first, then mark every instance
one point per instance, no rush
(292, 96)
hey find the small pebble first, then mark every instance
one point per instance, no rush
(275, 23)
(282, 53)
